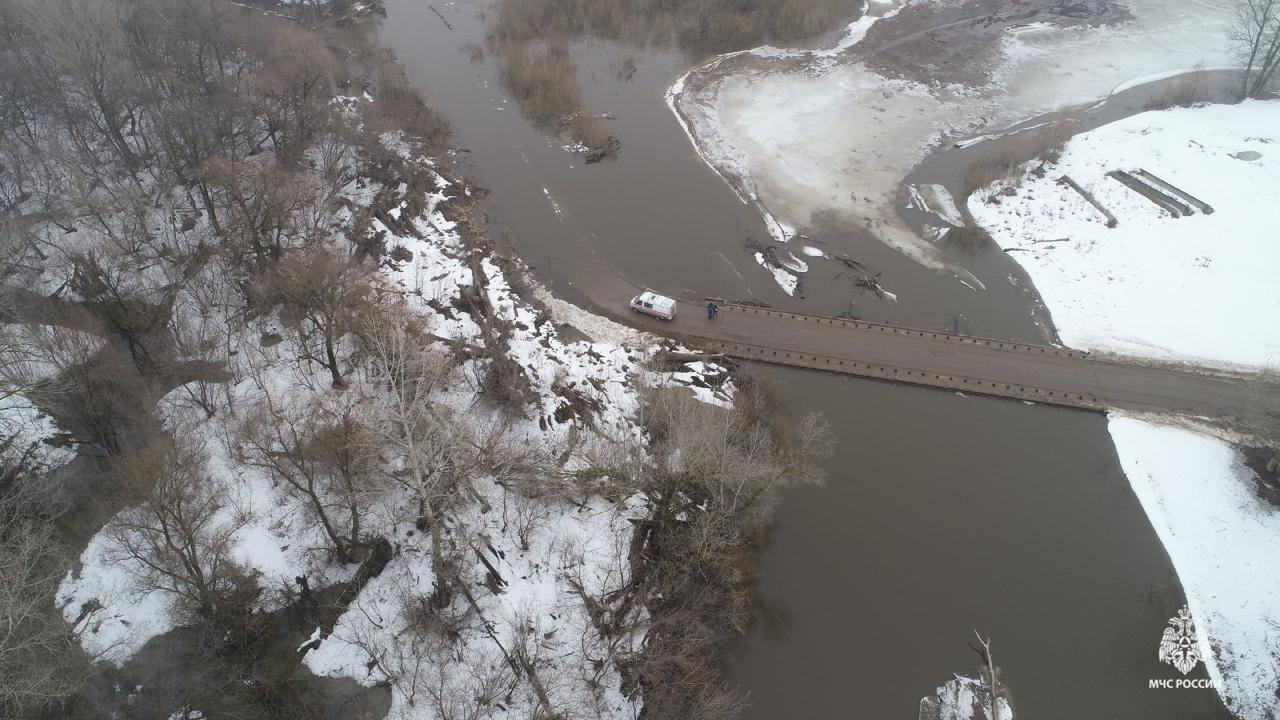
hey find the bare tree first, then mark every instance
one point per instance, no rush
(467, 687)
(713, 481)
(293, 88)
(83, 43)
(195, 65)
(403, 374)
(321, 295)
(321, 451)
(97, 394)
(39, 661)
(990, 675)
(261, 206)
(179, 539)
(1255, 37)
(736, 459)
(204, 326)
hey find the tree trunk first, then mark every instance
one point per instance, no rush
(443, 592)
(332, 358)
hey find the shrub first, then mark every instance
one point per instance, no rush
(1015, 151)
(1183, 90)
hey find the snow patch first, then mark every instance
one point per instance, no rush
(1221, 538)
(963, 698)
(785, 280)
(1198, 288)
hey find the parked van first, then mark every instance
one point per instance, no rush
(651, 303)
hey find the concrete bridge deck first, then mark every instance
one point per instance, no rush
(1018, 371)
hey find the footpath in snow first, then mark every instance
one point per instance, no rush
(1200, 287)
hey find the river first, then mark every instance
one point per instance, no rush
(941, 513)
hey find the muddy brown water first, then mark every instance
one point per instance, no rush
(941, 513)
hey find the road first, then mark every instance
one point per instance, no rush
(1018, 371)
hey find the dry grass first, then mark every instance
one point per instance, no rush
(400, 106)
(543, 80)
(702, 26)
(1184, 90)
(970, 239)
(1009, 163)
(531, 38)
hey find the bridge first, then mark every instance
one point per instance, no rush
(983, 366)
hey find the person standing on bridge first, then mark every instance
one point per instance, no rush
(712, 310)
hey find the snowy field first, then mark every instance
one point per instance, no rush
(832, 136)
(1200, 288)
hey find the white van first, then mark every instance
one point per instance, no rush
(651, 303)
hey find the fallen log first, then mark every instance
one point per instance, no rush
(1199, 204)
(1089, 198)
(1170, 205)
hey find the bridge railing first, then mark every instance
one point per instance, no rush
(978, 386)
(991, 343)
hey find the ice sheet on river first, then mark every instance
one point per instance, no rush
(830, 138)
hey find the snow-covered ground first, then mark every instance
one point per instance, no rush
(1224, 542)
(1200, 288)
(832, 137)
(546, 551)
(963, 698)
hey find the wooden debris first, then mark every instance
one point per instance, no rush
(1088, 196)
(1199, 204)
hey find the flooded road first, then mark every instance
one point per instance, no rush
(941, 513)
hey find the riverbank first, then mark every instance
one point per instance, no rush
(1209, 508)
(545, 537)
(914, 467)
(1187, 281)
(810, 137)
(413, 468)
(1197, 288)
